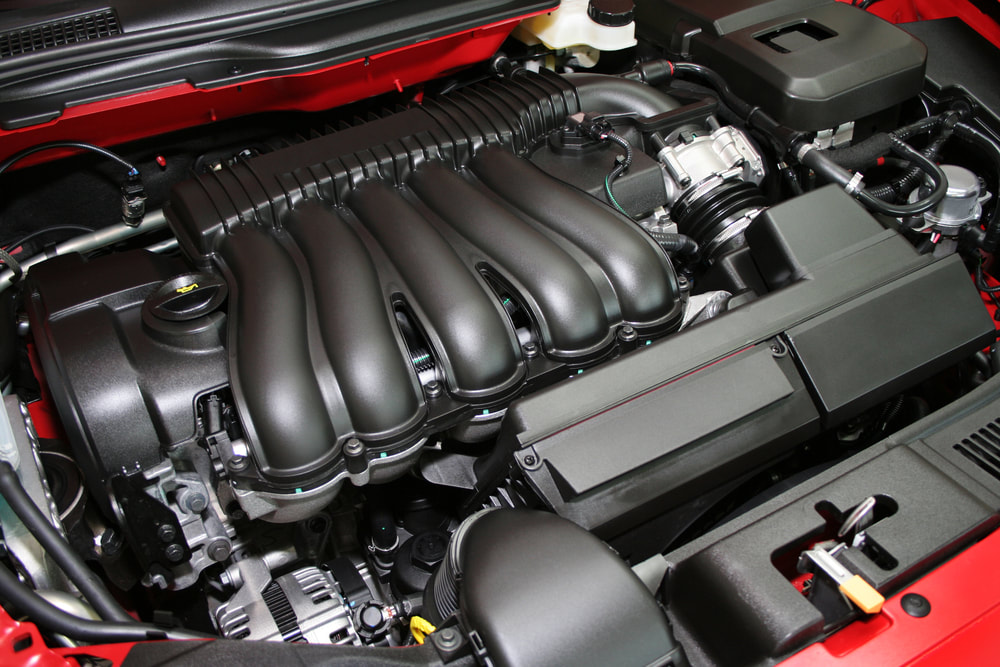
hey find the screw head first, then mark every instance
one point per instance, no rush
(433, 389)
(174, 553)
(166, 532)
(530, 350)
(238, 463)
(235, 70)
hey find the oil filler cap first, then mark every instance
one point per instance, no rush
(187, 297)
(611, 13)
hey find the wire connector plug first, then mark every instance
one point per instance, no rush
(133, 199)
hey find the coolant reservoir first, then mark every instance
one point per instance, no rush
(605, 25)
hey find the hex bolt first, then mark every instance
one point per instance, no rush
(195, 502)
(238, 463)
(446, 639)
(530, 350)
(627, 333)
(433, 389)
(219, 550)
(174, 553)
(166, 532)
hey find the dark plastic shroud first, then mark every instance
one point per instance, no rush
(811, 64)
(531, 605)
(855, 317)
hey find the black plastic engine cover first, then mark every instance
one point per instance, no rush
(811, 64)
(657, 428)
(124, 381)
(428, 214)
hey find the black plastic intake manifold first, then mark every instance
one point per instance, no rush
(396, 279)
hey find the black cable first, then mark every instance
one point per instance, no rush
(48, 230)
(6, 164)
(981, 282)
(46, 615)
(58, 548)
(622, 165)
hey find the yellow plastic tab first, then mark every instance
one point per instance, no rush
(420, 628)
(861, 593)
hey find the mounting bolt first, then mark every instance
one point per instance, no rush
(166, 532)
(446, 639)
(235, 70)
(219, 550)
(627, 333)
(238, 463)
(433, 389)
(530, 350)
(195, 502)
(174, 553)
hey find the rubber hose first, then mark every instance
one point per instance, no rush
(861, 154)
(902, 186)
(59, 549)
(50, 617)
(938, 178)
(679, 243)
(819, 162)
(741, 108)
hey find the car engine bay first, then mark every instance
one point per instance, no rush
(618, 346)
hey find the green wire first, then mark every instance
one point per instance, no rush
(611, 196)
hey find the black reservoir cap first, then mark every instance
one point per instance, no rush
(611, 13)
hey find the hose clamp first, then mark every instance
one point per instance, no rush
(856, 183)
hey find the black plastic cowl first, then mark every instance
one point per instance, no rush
(540, 590)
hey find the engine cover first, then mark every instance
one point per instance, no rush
(379, 284)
